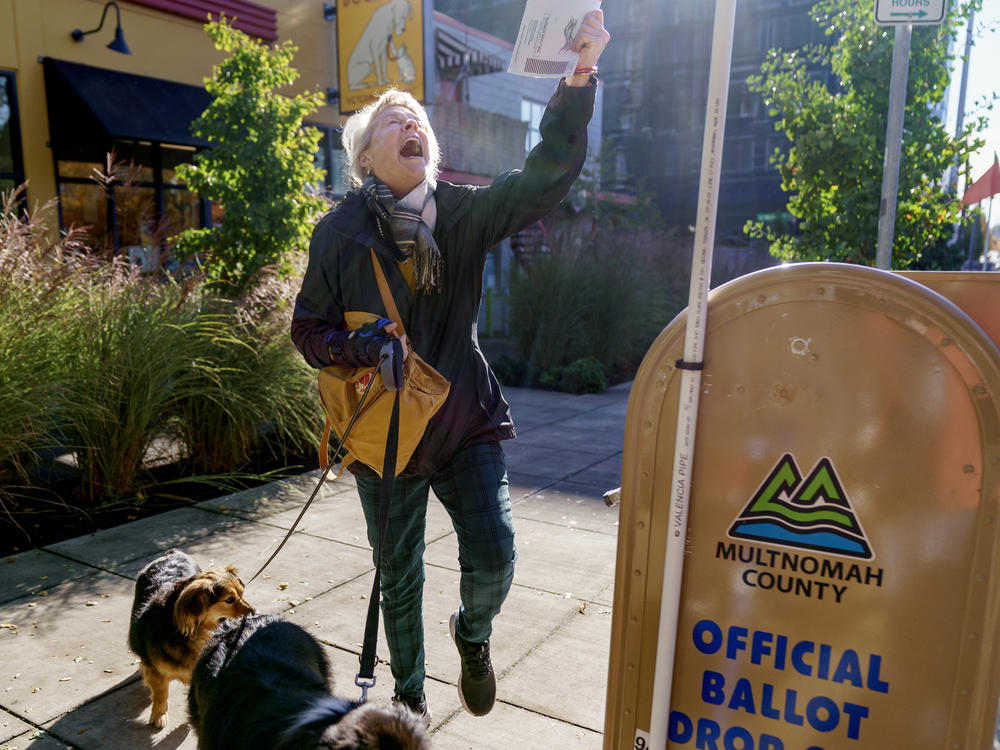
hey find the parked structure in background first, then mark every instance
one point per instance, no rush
(655, 78)
(654, 108)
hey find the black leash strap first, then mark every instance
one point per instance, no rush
(366, 673)
(326, 472)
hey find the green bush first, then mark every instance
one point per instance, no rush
(123, 371)
(36, 273)
(136, 351)
(259, 395)
(219, 378)
(592, 305)
(512, 371)
(585, 375)
(260, 166)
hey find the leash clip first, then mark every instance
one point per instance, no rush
(364, 685)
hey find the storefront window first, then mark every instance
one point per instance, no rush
(171, 156)
(181, 208)
(84, 205)
(11, 166)
(147, 202)
(135, 208)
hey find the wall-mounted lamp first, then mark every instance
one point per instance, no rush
(332, 95)
(118, 43)
(329, 11)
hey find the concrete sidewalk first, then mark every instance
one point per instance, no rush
(67, 678)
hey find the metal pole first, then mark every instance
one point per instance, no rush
(962, 89)
(893, 146)
(970, 262)
(694, 345)
(989, 233)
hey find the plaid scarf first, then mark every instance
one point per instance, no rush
(411, 220)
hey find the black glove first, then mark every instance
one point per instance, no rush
(361, 347)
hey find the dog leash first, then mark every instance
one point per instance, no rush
(326, 472)
(365, 678)
(366, 672)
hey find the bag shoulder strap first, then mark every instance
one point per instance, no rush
(387, 300)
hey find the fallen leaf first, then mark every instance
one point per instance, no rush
(583, 608)
(91, 604)
(282, 586)
(65, 679)
(7, 626)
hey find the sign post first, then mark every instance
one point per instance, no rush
(902, 14)
(701, 271)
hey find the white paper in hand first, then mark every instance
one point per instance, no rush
(548, 29)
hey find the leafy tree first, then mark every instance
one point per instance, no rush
(833, 169)
(260, 164)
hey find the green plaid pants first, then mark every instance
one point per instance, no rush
(473, 489)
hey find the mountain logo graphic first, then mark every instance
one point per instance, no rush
(812, 514)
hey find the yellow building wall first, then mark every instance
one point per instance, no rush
(163, 46)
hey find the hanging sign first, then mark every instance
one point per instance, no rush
(380, 43)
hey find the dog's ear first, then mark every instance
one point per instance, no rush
(189, 610)
(232, 571)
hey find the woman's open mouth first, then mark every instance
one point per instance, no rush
(412, 147)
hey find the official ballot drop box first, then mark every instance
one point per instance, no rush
(841, 565)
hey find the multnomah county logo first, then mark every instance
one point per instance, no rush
(812, 514)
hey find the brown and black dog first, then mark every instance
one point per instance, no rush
(264, 682)
(176, 609)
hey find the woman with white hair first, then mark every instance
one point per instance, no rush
(431, 239)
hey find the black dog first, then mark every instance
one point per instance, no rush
(263, 682)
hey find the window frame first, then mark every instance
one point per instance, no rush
(533, 135)
(332, 148)
(16, 144)
(156, 184)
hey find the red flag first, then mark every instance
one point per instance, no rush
(985, 187)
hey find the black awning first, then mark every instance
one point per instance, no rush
(88, 104)
(454, 54)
